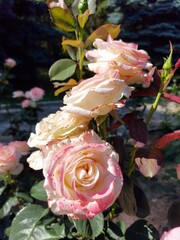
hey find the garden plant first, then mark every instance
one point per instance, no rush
(76, 172)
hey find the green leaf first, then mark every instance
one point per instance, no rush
(113, 231)
(127, 199)
(59, 230)
(103, 32)
(62, 19)
(62, 69)
(90, 228)
(37, 191)
(143, 209)
(141, 230)
(24, 196)
(25, 224)
(11, 202)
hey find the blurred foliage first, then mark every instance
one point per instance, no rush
(28, 36)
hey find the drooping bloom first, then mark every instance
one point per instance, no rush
(56, 126)
(133, 64)
(9, 160)
(82, 175)
(97, 95)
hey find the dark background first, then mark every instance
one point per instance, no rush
(28, 35)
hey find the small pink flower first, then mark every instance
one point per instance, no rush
(21, 147)
(10, 63)
(26, 103)
(18, 94)
(36, 93)
(82, 175)
(173, 234)
(9, 160)
(178, 171)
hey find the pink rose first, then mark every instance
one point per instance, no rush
(148, 166)
(132, 63)
(56, 126)
(173, 234)
(18, 94)
(25, 103)
(97, 95)
(35, 94)
(10, 63)
(82, 176)
(21, 147)
(9, 160)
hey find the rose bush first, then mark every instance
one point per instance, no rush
(56, 126)
(133, 64)
(9, 160)
(82, 175)
(97, 95)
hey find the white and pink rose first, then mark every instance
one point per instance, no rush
(82, 175)
(133, 64)
(9, 160)
(97, 95)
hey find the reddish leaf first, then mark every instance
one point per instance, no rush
(167, 138)
(172, 97)
(118, 144)
(138, 131)
(145, 92)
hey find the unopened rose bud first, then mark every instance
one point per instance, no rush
(83, 6)
(168, 61)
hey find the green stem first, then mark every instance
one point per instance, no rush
(80, 53)
(149, 117)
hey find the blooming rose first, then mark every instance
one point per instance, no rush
(17, 94)
(133, 64)
(173, 234)
(21, 147)
(148, 166)
(97, 95)
(9, 160)
(57, 125)
(10, 63)
(35, 94)
(82, 176)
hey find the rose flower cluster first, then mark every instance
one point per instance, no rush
(82, 172)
